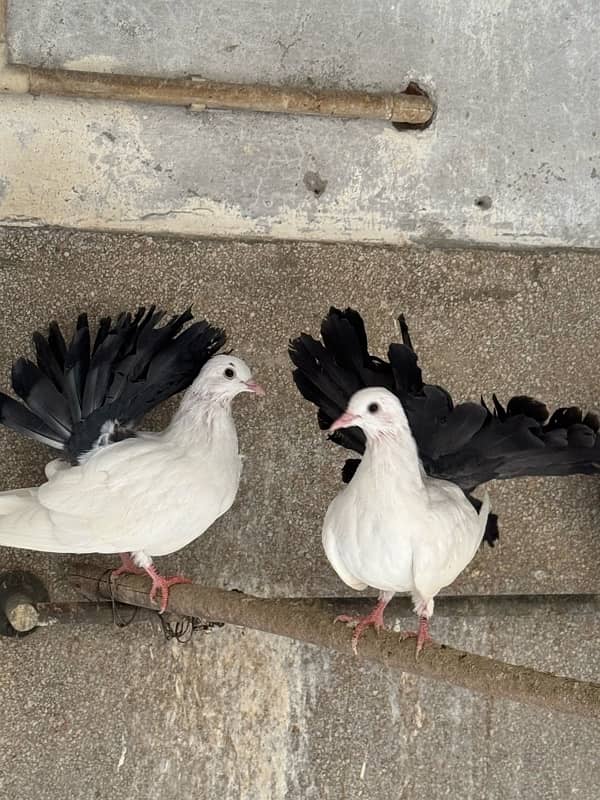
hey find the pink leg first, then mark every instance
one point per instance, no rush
(422, 636)
(375, 618)
(164, 584)
(127, 567)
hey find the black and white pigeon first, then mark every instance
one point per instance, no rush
(115, 488)
(408, 522)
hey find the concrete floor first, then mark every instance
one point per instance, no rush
(512, 157)
(92, 712)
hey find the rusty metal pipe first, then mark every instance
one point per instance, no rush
(312, 623)
(411, 107)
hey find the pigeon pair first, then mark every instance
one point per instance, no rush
(406, 522)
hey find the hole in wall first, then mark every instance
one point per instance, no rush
(414, 88)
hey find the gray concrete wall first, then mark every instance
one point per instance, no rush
(91, 712)
(482, 322)
(516, 86)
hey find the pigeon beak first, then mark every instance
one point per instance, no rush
(345, 421)
(255, 388)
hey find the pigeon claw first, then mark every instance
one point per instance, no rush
(422, 635)
(127, 567)
(164, 584)
(347, 619)
(360, 624)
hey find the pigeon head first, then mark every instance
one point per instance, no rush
(223, 377)
(377, 412)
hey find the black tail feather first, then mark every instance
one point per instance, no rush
(101, 368)
(499, 409)
(103, 329)
(57, 344)
(41, 396)
(130, 374)
(344, 336)
(564, 418)
(407, 373)
(349, 469)
(169, 371)
(467, 444)
(404, 332)
(592, 421)
(492, 530)
(77, 363)
(134, 364)
(19, 418)
(47, 362)
(528, 406)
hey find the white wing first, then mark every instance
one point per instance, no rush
(109, 504)
(449, 541)
(339, 521)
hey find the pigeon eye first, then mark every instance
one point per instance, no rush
(229, 373)
(373, 408)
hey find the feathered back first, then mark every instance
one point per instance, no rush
(467, 444)
(76, 393)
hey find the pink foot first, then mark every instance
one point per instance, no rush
(127, 567)
(164, 584)
(374, 619)
(422, 636)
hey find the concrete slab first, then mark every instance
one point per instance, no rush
(482, 321)
(99, 713)
(511, 159)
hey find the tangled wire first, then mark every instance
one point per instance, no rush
(182, 630)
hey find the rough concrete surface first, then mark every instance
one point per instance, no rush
(512, 157)
(92, 713)
(482, 322)
(97, 713)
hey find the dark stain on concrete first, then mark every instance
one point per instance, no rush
(315, 183)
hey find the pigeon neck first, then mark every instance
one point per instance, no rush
(397, 456)
(204, 421)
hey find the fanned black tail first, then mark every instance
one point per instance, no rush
(72, 391)
(467, 444)
(329, 374)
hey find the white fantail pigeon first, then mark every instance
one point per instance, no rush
(407, 521)
(393, 527)
(117, 489)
